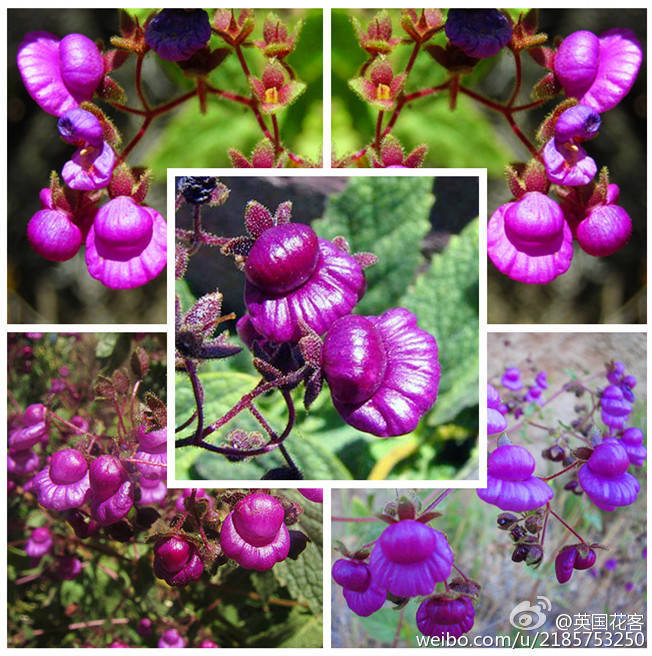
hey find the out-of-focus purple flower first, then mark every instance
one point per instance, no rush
(533, 394)
(64, 483)
(208, 644)
(478, 33)
(68, 568)
(611, 564)
(80, 128)
(293, 275)
(568, 164)
(126, 245)
(441, 616)
(59, 75)
(616, 372)
(383, 372)
(542, 380)
(511, 379)
(254, 533)
(605, 479)
(177, 34)
(410, 558)
(21, 463)
(112, 492)
(614, 408)
(361, 593)
(632, 441)
(177, 561)
(529, 239)
(510, 481)
(152, 453)
(90, 167)
(201, 494)
(144, 628)
(25, 438)
(496, 422)
(171, 639)
(598, 71)
(39, 542)
(152, 491)
(315, 494)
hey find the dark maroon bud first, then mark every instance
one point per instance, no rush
(585, 557)
(146, 516)
(554, 453)
(121, 531)
(298, 542)
(533, 524)
(465, 586)
(571, 485)
(534, 555)
(520, 553)
(506, 520)
(517, 533)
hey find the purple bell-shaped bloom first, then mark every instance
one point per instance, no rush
(292, 275)
(91, 167)
(444, 617)
(171, 639)
(510, 481)
(496, 422)
(479, 33)
(361, 593)
(254, 533)
(511, 379)
(529, 239)
(39, 543)
(21, 463)
(126, 245)
(577, 123)
(615, 409)
(598, 71)
(568, 164)
(64, 483)
(410, 558)
(26, 437)
(152, 491)
(177, 34)
(112, 492)
(383, 372)
(177, 561)
(315, 494)
(144, 628)
(605, 479)
(632, 442)
(59, 75)
(533, 394)
(152, 454)
(68, 568)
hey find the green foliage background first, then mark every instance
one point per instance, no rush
(388, 216)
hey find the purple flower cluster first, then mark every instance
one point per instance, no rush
(496, 422)
(125, 240)
(408, 560)
(530, 239)
(382, 371)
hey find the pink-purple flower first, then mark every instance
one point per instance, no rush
(496, 422)
(39, 542)
(64, 483)
(442, 616)
(361, 593)
(177, 561)
(112, 492)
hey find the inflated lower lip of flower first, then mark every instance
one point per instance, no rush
(112, 492)
(64, 483)
(440, 616)
(383, 372)
(361, 593)
(126, 245)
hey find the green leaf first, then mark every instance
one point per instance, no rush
(445, 299)
(389, 217)
(303, 577)
(309, 634)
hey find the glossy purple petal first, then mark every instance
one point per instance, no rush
(564, 563)
(152, 491)
(361, 593)
(517, 496)
(315, 494)
(608, 493)
(529, 240)
(90, 168)
(511, 379)
(79, 127)
(171, 640)
(177, 561)
(82, 66)
(478, 33)
(333, 289)
(577, 123)
(53, 235)
(632, 442)
(443, 617)
(605, 230)
(568, 164)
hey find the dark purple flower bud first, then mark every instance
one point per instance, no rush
(496, 422)
(632, 441)
(177, 561)
(615, 409)
(542, 380)
(59, 75)
(478, 33)
(444, 617)
(315, 494)
(410, 558)
(171, 639)
(598, 71)
(112, 493)
(585, 557)
(64, 483)
(79, 127)
(152, 454)
(196, 189)
(506, 520)
(54, 235)
(568, 164)
(35, 413)
(68, 568)
(254, 533)
(605, 479)
(39, 542)
(383, 372)
(319, 291)
(529, 239)
(362, 595)
(90, 168)
(177, 34)
(126, 245)
(21, 463)
(564, 563)
(577, 123)
(510, 481)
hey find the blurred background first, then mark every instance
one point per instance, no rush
(594, 290)
(41, 291)
(433, 272)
